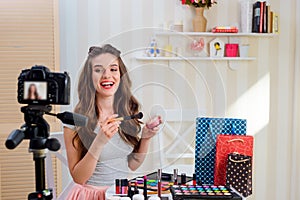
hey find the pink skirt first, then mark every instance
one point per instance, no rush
(87, 192)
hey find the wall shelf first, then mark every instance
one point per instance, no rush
(210, 34)
(232, 62)
(144, 58)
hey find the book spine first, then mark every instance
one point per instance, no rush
(275, 21)
(256, 17)
(265, 19)
(261, 17)
(268, 10)
(271, 21)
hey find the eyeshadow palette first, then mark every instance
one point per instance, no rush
(200, 192)
(168, 177)
(167, 181)
(153, 184)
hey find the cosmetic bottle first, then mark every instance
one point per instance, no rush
(117, 183)
(175, 177)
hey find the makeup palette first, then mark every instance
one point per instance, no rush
(152, 185)
(152, 182)
(200, 192)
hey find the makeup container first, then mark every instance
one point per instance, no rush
(130, 190)
(145, 188)
(124, 186)
(117, 183)
(138, 197)
(194, 179)
(201, 192)
(154, 122)
(159, 182)
(175, 176)
(136, 190)
(183, 178)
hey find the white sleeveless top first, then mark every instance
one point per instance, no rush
(112, 163)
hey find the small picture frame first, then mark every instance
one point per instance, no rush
(216, 48)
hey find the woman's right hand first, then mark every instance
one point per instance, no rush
(108, 129)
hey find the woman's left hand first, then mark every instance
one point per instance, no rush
(151, 127)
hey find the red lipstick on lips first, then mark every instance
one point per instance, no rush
(107, 84)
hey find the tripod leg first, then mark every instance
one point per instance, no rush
(39, 159)
(41, 193)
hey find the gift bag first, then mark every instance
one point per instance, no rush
(239, 173)
(207, 130)
(225, 145)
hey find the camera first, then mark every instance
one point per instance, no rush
(39, 86)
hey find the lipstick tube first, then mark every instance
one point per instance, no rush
(183, 178)
(159, 182)
(194, 179)
(117, 182)
(145, 188)
(124, 186)
(175, 177)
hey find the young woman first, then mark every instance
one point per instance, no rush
(32, 93)
(105, 150)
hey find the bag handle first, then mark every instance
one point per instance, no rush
(238, 161)
(232, 128)
(210, 130)
(236, 139)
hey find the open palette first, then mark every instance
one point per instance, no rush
(152, 182)
(152, 185)
(200, 192)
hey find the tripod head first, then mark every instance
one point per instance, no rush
(36, 129)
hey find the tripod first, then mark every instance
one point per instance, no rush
(36, 129)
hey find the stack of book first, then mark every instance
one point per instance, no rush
(258, 17)
(225, 29)
(264, 20)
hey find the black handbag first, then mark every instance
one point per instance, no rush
(239, 173)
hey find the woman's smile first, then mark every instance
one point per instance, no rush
(107, 84)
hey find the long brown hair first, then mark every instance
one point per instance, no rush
(124, 103)
(30, 90)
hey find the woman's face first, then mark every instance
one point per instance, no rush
(106, 74)
(32, 89)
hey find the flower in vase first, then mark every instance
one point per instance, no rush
(199, 3)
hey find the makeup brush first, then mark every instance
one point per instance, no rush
(136, 116)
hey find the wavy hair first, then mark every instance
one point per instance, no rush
(124, 103)
(30, 90)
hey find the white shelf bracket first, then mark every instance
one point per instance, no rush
(233, 64)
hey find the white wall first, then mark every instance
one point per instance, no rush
(260, 91)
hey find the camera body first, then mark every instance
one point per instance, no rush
(39, 86)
